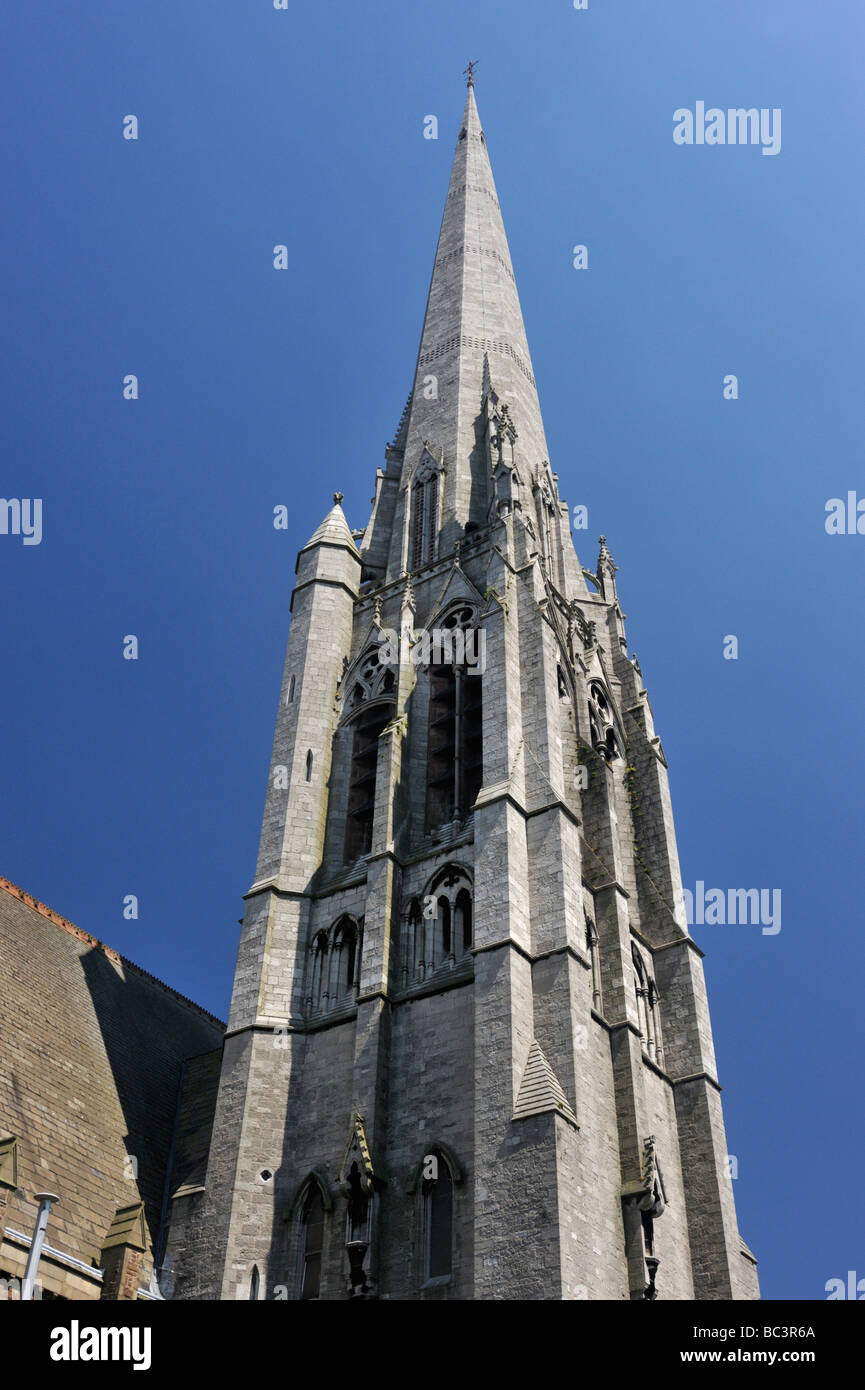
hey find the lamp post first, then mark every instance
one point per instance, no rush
(44, 1199)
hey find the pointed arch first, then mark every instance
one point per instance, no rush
(412, 962)
(367, 727)
(418, 497)
(437, 1225)
(449, 877)
(345, 945)
(433, 1180)
(313, 1178)
(363, 678)
(442, 1151)
(309, 1220)
(438, 924)
(318, 972)
(601, 700)
(442, 946)
(607, 736)
(313, 1245)
(424, 509)
(454, 658)
(647, 1006)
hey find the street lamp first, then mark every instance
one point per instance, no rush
(44, 1199)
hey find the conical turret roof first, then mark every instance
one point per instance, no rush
(334, 530)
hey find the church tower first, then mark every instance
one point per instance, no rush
(469, 1053)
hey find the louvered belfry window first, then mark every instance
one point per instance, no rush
(361, 790)
(455, 744)
(431, 518)
(424, 521)
(417, 494)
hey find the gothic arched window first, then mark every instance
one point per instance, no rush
(640, 990)
(599, 700)
(424, 516)
(436, 1219)
(345, 950)
(442, 944)
(438, 929)
(455, 745)
(334, 968)
(647, 1006)
(417, 537)
(254, 1284)
(605, 737)
(317, 997)
(412, 943)
(313, 1243)
(463, 920)
(362, 779)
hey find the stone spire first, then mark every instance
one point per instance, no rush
(473, 310)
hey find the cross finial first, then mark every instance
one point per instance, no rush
(337, 498)
(470, 71)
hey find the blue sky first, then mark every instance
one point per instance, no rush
(305, 127)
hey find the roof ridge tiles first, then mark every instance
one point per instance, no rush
(64, 924)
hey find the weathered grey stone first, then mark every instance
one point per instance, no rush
(616, 1138)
